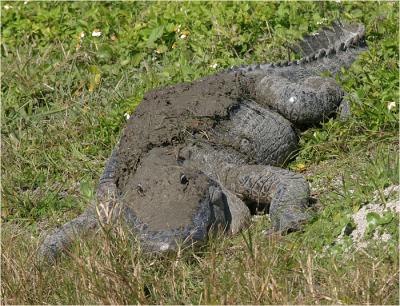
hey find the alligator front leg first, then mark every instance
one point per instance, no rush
(102, 208)
(285, 192)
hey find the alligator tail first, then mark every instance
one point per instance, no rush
(331, 48)
(333, 39)
(328, 49)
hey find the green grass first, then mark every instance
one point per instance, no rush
(63, 106)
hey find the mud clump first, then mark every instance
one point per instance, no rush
(170, 115)
(182, 190)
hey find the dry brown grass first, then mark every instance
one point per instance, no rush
(249, 269)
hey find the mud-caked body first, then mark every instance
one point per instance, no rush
(202, 156)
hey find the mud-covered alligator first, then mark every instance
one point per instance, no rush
(198, 156)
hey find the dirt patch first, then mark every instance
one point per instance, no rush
(361, 221)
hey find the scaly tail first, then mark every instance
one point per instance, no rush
(328, 49)
(331, 48)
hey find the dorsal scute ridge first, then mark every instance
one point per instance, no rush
(326, 42)
(345, 36)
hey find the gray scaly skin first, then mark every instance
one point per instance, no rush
(195, 156)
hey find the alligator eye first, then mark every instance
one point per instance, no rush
(245, 142)
(184, 179)
(139, 189)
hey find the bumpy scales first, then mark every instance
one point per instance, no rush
(197, 156)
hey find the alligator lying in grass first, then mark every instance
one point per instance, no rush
(199, 156)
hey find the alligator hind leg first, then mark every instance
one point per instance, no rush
(285, 192)
(304, 102)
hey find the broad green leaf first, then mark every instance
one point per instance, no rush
(155, 34)
(373, 218)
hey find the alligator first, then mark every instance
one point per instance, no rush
(202, 156)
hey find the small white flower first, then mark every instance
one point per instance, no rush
(26, 2)
(183, 36)
(391, 105)
(214, 66)
(82, 35)
(315, 34)
(96, 33)
(386, 237)
(127, 116)
(292, 99)
(7, 7)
